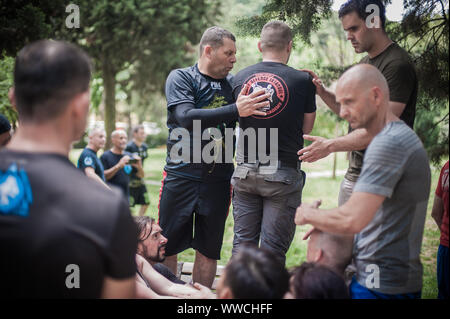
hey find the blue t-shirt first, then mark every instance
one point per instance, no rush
(189, 85)
(121, 178)
(88, 158)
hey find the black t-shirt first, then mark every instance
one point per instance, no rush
(398, 69)
(292, 95)
(53, 221)
(88, 158)
(121, 178)
(165, 271)
(190, 86)
(141, 151)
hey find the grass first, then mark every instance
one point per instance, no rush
(324, 188)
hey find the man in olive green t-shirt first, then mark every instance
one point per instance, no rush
(366, 35)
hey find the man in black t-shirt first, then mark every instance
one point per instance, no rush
(200, 113)
(61, 235)
(138, 191)
(117, 163)
(268, 182)
(395, 65)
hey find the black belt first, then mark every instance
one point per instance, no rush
(280, 164)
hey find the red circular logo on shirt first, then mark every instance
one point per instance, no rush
(272, 84)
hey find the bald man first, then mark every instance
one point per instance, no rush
(387, 209)
(88, 161)
(117, 162)
(393, 62)
(329, 250)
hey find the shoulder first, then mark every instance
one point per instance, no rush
(364, 60)
(185, 74)
(395, 138)
(130, 146)
(105, 154)
(243, 74)
(397, 58)
(300, 75)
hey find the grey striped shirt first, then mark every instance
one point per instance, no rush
(395, 166)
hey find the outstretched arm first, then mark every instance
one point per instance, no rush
(90, 172)
(164, 287)
(348, 219)
(321, 147)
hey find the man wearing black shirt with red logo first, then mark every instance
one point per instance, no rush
(62, 235)
(199, 101)
(268, 182)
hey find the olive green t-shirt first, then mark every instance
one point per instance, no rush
(398, 69)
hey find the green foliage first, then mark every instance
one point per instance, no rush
(431, 125)
(157, 140)
(6, 81)
(424, 33)
(23, 21)
(303, 16)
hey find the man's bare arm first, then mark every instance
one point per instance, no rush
(110, 172)
(90, 172)
(348, 219)
(321, 147)
(308, 122)
(438, 210)
(354, 141)
(326, 95)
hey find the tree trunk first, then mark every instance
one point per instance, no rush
(109, 81)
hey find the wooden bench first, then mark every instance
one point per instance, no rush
(184, 272)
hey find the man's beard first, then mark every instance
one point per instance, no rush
(156, 258)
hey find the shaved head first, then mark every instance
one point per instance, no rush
(364, 76)
(363, 95)
(275, 36)
(334, 251)
(119, 139)
(95, 131)
(118, 133)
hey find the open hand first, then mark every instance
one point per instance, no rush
(248, 105)
(316, 151)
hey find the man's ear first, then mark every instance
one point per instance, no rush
(377, 96)
(259, 46)
(289, 47)
(78, 105)
(207, 51)
(319, 255)
(225, 293)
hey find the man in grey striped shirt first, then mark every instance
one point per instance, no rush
(388, 206)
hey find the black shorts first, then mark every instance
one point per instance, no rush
(139, 196)
(180, 200)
